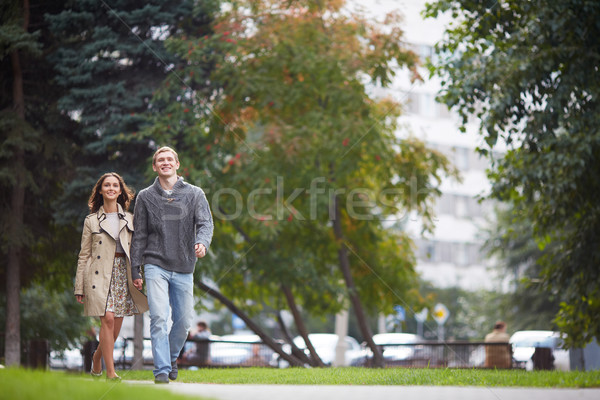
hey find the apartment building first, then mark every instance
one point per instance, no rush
(452, 255)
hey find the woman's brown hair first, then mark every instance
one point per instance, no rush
(124, 199)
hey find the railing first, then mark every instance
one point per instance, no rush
(225, 353)
(446, 355)
(204, 353)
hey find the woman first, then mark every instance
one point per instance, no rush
(103, 281)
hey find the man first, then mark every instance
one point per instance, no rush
(198, 355)
(498, 356)
(172, 227)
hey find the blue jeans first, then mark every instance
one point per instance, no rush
(175, 290)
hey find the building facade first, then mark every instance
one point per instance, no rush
(452, 255)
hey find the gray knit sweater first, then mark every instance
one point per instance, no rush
(166, 227)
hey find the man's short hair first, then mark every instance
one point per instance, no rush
(500, 325)
(162, 150)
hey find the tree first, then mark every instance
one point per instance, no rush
(512, 242)
(35, 146)
(529, 71)
(110, 60)
(50, 315)
(290, 128)
(472, 314)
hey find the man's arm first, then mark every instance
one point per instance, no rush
(204, 222)
(140, 237)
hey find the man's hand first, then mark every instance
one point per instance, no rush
(200, 250)
(138, 283)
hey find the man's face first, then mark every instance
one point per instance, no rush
(166, 165)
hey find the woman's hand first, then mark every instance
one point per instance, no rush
(79, 298)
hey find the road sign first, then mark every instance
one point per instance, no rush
(400, 313)
(421, 316)
(440, 313)
(237, 323)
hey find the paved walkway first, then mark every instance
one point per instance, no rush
(340, 392)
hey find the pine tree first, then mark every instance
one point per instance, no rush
(111, 60)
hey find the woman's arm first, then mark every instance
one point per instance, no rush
(82, 262)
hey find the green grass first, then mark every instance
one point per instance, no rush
(35, 385)
(387, 376)
(20, 384)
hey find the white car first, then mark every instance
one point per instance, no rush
(239, 349)
(398, 347)
(525, 342)
(325, 345)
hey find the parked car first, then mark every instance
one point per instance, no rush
(225, 350)
(525, 342)
(239, 349)
(325, 345)
(398, 348)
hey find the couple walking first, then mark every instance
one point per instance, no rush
(171, 227)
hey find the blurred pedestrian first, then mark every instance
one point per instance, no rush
(499, 355)
(173, 228)
(103, 282)
(198, 355)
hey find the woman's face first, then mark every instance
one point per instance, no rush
(110, 189)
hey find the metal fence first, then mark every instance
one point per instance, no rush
(204, 353)
(226, 353)
(446, 355)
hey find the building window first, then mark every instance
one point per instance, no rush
(427, 105)
(413, 103)
(461, 210)
(461, 157)
(462, 255)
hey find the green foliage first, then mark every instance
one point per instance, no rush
(529, 71)
(472, 313)
(529, 305)
(287, 124)
(110, 60)
(87, 79)
(44, 137)
(51, 315)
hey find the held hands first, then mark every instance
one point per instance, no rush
(138, 283)
(200, 250)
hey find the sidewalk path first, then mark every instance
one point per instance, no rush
(344, 392)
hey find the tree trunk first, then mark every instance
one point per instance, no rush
(317, 362)
(12, 350)
(296, 351)
(352, 292)
(293, 308)
(250, 324)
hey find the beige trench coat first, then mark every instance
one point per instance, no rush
(96, 259)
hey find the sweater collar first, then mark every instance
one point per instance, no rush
(159, 189)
